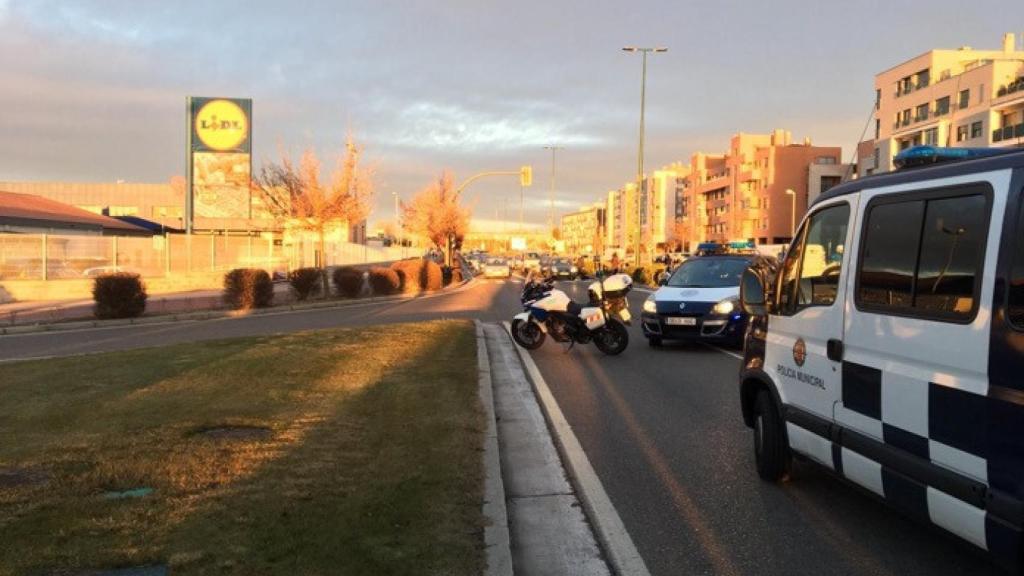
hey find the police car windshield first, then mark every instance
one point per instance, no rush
(709, 272)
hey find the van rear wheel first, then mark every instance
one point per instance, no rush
(770, 447)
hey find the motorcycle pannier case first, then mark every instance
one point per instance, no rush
(617, 285)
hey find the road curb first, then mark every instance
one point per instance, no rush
(497, 538)
(219, 314)
(608, 527)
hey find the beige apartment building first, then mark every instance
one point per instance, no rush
(583, 232)
(960, 98)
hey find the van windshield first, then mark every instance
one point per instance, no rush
(709, 273)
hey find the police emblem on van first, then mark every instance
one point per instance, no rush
(799, 352)
(682, 305)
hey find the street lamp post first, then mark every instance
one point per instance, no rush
(551, 190)
(792, 213)
(398, 220)
(640, 153)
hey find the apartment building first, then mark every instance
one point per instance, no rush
(583, 232)
(756, 191)
(963, 97)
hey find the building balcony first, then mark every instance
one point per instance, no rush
(1008, 133)
(1011, 88)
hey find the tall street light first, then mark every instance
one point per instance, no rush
(398, 219)
(792, 213)
(551, 191)
(640, 154)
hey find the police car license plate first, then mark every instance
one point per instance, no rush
(684, 321)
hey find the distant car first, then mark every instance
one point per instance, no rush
(103, 270)
(496, 268)
(561, 268)
(531, 261)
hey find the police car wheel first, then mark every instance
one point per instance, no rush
(770, 449)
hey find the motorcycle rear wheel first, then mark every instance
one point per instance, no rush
(527, 334)
(612, 338)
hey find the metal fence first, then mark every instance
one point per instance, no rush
(55, 257)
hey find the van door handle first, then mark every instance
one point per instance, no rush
(834, 349)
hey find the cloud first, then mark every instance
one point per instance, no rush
(431, 125)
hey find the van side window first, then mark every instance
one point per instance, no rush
(1015, 302)
(923, 256)
(810, 273)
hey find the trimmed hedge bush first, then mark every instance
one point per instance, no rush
(305, 282)
(120, 295)
(247, 288)
(385, 281)
(348, 281)
(419, 275)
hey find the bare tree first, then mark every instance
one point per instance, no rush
(434, 213)
(297, 195)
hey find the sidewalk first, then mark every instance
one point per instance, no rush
(548, 530)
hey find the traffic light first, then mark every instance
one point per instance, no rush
(526, 176)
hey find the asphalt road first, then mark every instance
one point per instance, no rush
(662, 428)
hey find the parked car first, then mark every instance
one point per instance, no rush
(888, 346)
(496, 268)
(104, 270)
(699, 301)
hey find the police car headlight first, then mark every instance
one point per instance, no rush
(724, 307)
(650, 305)
(573, 270)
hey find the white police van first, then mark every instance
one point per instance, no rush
(888, 345)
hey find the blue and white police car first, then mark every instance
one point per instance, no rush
(699, 301)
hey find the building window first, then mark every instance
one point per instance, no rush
(906, 117)
(114, 211)
(921, 113)
(965, 99)
(825, 160)
(976, 129)
(878, 98)
(878, 128)
(931, 136)
(923, 256)
(829, 182)
(961, 133)
(93, 209)
(942, 106)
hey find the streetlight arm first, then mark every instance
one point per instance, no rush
(476, 177)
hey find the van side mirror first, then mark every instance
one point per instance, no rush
(753, 297)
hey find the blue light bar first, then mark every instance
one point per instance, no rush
(922, 155)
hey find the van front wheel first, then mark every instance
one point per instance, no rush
(770, 448)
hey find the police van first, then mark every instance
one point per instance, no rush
(888, 345)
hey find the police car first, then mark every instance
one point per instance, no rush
(888, 346)
(699, 301)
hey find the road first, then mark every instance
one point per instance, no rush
(662, 428)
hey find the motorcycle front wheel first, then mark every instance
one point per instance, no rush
(612, 338)
(527, 334)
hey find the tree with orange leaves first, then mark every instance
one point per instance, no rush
(435, 214)
(297, 193)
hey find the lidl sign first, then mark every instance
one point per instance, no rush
(219, 159)
(220, 124)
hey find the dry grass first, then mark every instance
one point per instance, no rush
(371, 465)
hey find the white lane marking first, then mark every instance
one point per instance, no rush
(724, 351)
(610, 530)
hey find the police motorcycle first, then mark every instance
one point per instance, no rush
(551, 311)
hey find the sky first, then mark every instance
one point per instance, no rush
(95, 90)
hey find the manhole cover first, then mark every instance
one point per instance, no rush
(15, 477)
(237, 432)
